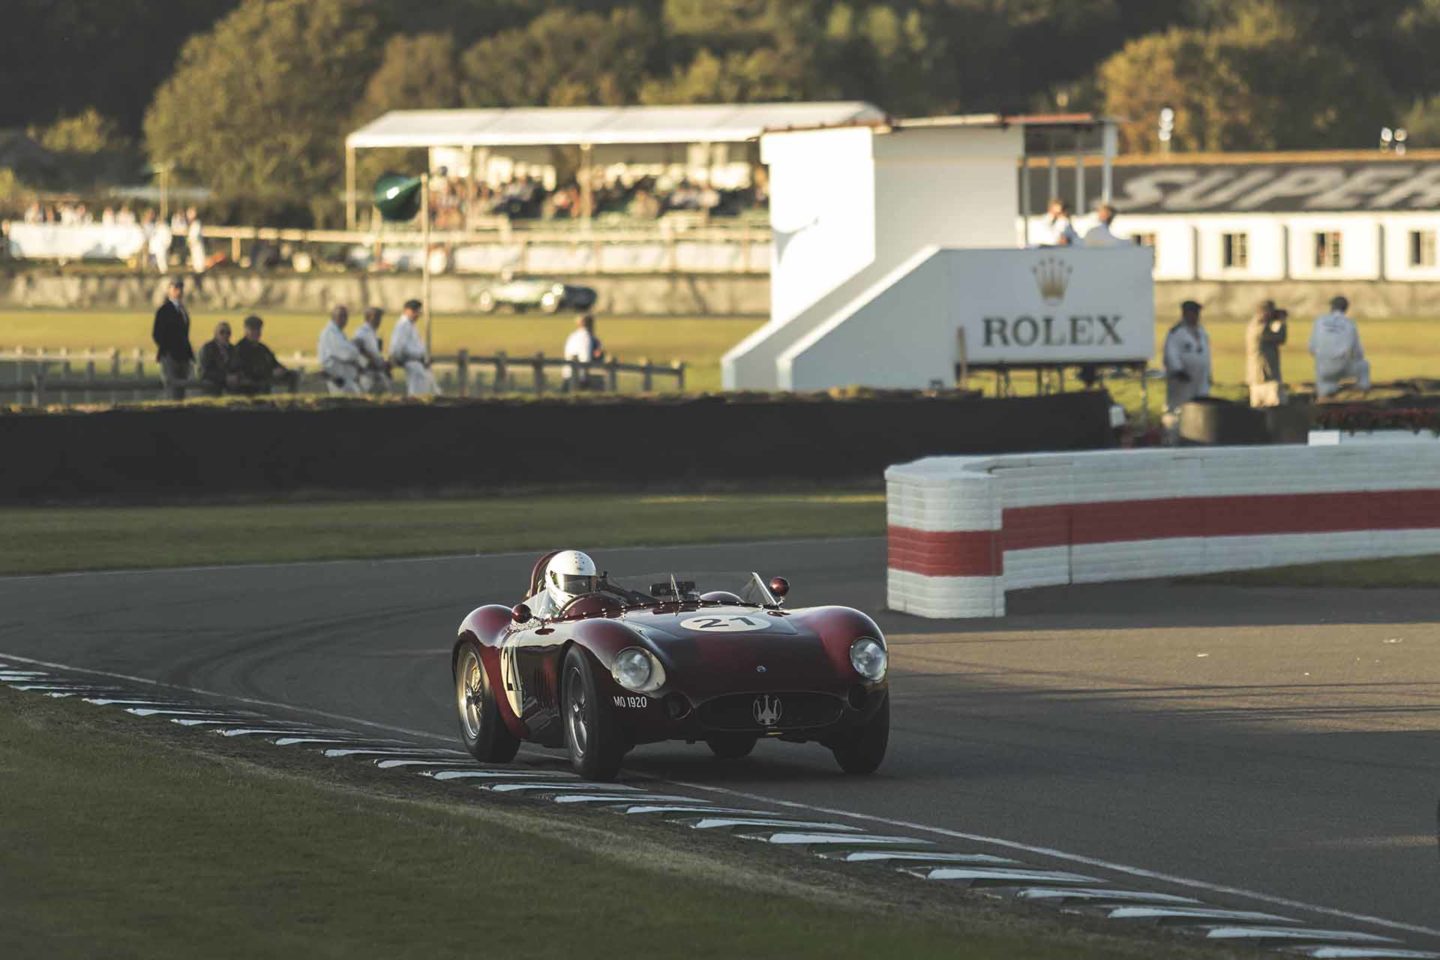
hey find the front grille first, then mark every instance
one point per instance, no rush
(769, 711)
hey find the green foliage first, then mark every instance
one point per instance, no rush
(1422, 122)
(252, 109)
(562, 59)
(1258, 82)
(11, 193)
(64, 56)
(418, 72)
(85, 132)
(258, 105)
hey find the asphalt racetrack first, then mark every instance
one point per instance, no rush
(1256, 747)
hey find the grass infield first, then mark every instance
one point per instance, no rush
(120, 839)
(1399, 348)
(698, 341)
(58, 539)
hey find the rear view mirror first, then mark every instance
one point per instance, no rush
(779, 586)
(520, 613)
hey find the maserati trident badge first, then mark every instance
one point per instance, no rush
(766, 710)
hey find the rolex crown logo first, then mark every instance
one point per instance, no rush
(1053, 277)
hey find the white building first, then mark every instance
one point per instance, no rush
(898, 258)
(1318, 216)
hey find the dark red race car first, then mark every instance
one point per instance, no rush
(668, 657)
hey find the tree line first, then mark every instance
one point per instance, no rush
(253, 97)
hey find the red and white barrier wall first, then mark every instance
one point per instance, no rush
(963, 530)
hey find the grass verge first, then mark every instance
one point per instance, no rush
(124, 839)
(1392, 572)
(58, 539)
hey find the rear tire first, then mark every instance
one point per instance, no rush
(591, 734)
(731, 746)
(485, 303)
(481, 728)
(861, 750)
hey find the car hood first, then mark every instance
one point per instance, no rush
(726, 646)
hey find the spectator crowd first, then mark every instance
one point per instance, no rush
(355, 364)
(162, 241)
(527, 198)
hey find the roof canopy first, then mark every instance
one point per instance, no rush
(575, 126)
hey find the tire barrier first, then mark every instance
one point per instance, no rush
(964, 530)
(185, 452)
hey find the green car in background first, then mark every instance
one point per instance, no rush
(535, 293)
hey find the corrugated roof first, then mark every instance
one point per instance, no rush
(544, 126)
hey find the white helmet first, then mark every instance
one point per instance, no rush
(568, 575)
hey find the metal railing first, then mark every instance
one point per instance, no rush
(47, 376)
(494, 245)
(587, 250)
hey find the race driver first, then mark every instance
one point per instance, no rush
(568, 575)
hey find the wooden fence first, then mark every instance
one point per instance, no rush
(41, 377)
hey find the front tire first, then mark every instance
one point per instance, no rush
(861, 750)
(485, 303)
(591, 734)
(482, 730)
(731, 746)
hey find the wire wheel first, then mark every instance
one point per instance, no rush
(576, 722)
(591, 733)
(470, 693)
(482, 729)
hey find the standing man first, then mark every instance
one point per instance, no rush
(582, 346)
(194, 245)
(407, 349)
(1101, 235)
(1264, 336)
(1187, 359)
(1058, 230)
(1335, 345)
(161, 238)
(255, 366)
(339, 360)
(171, 333)
(217, 361)
(374, 371)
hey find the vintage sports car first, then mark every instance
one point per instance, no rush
(668, 657)
(536, 293)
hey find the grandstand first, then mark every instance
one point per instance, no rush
(711, 144)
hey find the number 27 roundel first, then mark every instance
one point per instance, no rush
(725, 623)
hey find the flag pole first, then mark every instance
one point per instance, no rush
(425, 264)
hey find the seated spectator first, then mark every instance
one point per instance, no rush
(339, 358)
(216, 358)
(255, 368)
(374, 368)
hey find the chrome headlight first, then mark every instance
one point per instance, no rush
(637, 669)
(869, 659)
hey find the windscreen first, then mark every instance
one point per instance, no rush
(672, 587)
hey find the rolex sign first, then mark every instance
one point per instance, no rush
(985, 307)
(1055, 305)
